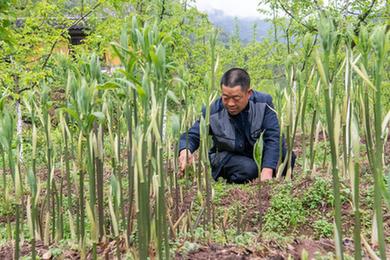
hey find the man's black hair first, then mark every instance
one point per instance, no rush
(236, 77)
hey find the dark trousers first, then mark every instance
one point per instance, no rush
(242, 169)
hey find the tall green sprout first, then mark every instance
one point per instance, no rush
(378, 41)
(113, 202)
(5, 142)
(33, 201)
(354, 170)
(374, 135)
(327, 32)
(204, 126)
(46, 123)
(7, 128)
(32, 178)
(147, 78)
(129, 60)
(82, 110)
(258, 156)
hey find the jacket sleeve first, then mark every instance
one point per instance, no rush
(271, 136)
(193, 138)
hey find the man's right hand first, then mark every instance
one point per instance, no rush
(183, 160)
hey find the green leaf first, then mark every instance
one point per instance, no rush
(175, 124)
(385, 123)
(153, 56)
(115, 193)
(32, 182)
(173, 97)
(258, 150)
(385, 188)
(99, 115)
(72, 113)
(108, 86)
(93, 222)
(140, 91)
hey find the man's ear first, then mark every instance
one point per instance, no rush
(250, 92)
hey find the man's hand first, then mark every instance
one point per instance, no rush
(183, 160)
(266, 174)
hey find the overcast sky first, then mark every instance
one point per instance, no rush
(239, 8)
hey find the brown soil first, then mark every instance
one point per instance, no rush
(106, 250)
(271, 251)
(179, 204)
(214, 251)
(251, 202)
(188, 198)
(7, 250)
(5, 218)
(311, 248)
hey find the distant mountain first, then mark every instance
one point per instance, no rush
(228, 23)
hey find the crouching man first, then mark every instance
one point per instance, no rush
(237, 118)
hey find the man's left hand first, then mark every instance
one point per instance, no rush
(266, 174)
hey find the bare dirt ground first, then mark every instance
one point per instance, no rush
(105, 250)
(213, 251)
(304, 243)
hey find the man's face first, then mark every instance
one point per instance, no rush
(234, 99)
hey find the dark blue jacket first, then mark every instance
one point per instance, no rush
(237, 134)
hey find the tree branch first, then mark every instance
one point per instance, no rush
(310, 28)
(56, 41)
(362, 17)
(66, 30)
(288, 37)
(162, 10)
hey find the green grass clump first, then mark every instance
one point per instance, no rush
(319, 194)
(221, 189)
(323, 228)
(285, 212)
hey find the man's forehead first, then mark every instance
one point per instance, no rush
(231, 90)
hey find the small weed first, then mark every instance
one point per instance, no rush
(368, 197)
(245, 239)
(323, 229)
(56, 251)
(285, 211)
(199, 233)
(319, 194)
(220, 189)
(189, 247)
(280, 240)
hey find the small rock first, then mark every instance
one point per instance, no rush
(47, 256)
(290, 247)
